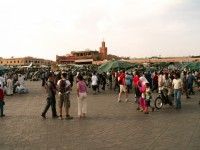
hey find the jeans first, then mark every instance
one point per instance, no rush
(1, 107)
(50, 102)
(190, 86)
(177, 97)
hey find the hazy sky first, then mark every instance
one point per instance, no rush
(134, 28)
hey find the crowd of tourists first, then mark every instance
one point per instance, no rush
(137, 85)
(10, 84)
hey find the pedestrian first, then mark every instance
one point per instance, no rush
(178, 88)
(155, 82)
(1, 102)
(142, 87)
(185, 84)
(116, 85)
(9, 86)
(191, 80)
(43, 78)
(128, 80)
(94, 82)
(64, 87)
(103, 81)
(82, 97)
(135, 83)
(51, 100)
(137, 96)
(123, 87)
(148, 98)
(71, 77)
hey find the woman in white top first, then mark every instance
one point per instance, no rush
(178, 87)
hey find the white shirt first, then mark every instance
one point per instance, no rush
(21, 80)
(160, 80)
(2, 80)
(177, 83)
(94, 80)
(67, 83)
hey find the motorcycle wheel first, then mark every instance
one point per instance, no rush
(158, 103)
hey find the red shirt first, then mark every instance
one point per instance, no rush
(1, 94)
(122, 78)
(135, 80)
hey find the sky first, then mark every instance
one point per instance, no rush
(130, 28)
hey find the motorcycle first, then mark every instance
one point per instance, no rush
(163, 99)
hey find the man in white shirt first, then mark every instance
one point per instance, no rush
(21, 79)
(64, 87)
(160, 82)
(178, 88)
(94, 82)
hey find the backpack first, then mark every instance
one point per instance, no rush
(62, 88)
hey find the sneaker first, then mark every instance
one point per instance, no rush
(141, 110)
(68, 117)
(60, 118)
(126, 100)
(43, 116)
(119, 101)
(146, 112)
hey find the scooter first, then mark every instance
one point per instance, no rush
(163, 99)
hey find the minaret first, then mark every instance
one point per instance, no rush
(103, 51)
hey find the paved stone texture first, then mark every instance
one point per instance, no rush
(109, 125)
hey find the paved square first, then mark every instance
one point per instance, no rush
(109, 125)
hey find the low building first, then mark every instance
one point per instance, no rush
(82, 56)
(24, 61)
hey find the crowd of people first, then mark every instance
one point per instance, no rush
(137, 85)
(10, 84)
(172, 83)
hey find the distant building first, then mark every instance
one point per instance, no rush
(87, 56)
(24, 61)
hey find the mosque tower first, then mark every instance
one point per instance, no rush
(103, 51)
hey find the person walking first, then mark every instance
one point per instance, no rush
(178, 86)
(123, 87)
(82, 97)
(94, 82)
(128, 80)
(51, 100)
(64, 87)
(185, 84)
(191, 80)
(9, 86)
(1, 102)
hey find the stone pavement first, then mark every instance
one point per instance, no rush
(109, 125)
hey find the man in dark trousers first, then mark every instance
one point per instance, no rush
(51, 100)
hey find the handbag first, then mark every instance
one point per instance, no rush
(3, 103)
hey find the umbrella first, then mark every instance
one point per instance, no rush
(195, 66)
(3, 68)
(114, 64)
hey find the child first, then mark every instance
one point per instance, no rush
(142, 88)
(1, 102)
(148, 98)
(137, 97)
